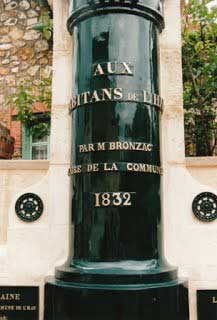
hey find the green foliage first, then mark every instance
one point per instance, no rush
(47, 25)
(200, 77)
(44, 25)
(24, 100)
(45, 22)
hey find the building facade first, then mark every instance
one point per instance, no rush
(25, 57)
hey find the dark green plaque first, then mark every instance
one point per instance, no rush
(19, 303)
(116, 253)
(207, 304)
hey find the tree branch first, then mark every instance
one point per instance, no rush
(194, 81)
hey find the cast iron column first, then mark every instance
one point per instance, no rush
(116, 268)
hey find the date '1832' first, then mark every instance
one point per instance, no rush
(113, 199)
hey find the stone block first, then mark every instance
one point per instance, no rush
(31, 35)
(24, 5)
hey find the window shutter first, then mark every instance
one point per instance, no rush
(25, 143)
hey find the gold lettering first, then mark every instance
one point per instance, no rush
(101, 146)
(147, 97)
(10, 308)
(156, 100)
(86, 148)
(10, 296)
(127, 68)
(132, 96)
(112, 94)
(81, 148)
(89, 168)
(132, 146)
(118, 145)
(149, 147)
(95, 167)
(144, 96)
(95, 97)
(33, 308)
(92, 167)
(17, 296)
(107, 93)
(136, 167)
(98, 70)
(85, 96)
(138, 147)
(109, 67)
(114, 167)
(129, 167)
(142, 167)
(74, 102)
(18, 308)
(118, 94)
(91, 147)
(110, 167)
(214, 299)
(74, 170)
(112, 146)
(78, 100)
(149, 168)
(125, 145)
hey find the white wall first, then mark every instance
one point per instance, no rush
(189, 243)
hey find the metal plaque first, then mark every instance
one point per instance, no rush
(29, 207)
(19, 303)
(207, 304)
(204, 206)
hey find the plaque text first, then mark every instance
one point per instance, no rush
(113, 68)
(115, 94)
(115, 166)
(115, 145)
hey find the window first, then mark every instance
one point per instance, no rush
(39, 148)
(34, 148)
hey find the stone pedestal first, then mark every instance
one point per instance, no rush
(117, 302)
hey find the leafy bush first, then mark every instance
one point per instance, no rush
(24, 101)
(200, 78)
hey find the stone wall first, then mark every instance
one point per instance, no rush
(24, 53)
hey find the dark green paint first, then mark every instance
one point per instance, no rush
(168, 301)
(116, 269)
(116, 235)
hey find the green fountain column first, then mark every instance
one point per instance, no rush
(116, 268)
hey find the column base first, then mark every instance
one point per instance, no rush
(79, 301)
